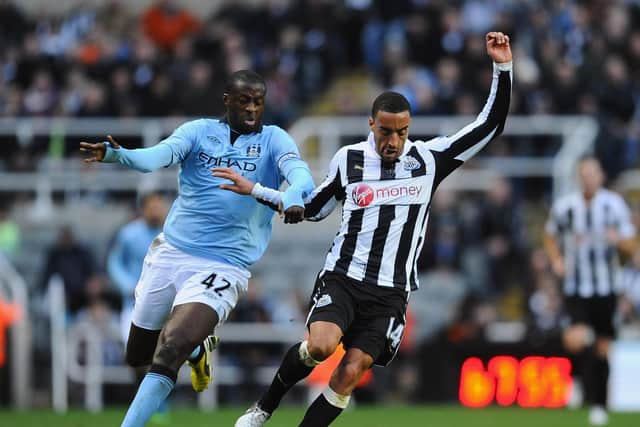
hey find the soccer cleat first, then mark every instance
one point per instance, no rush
(202, 370)
(598, 416)
(254, 417)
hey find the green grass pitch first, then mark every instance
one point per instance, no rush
(381, 416)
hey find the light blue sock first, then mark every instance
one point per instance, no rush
(153, 390)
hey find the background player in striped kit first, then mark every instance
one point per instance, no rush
(585, 233)
(385, 185)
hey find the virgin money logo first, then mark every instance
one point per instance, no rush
(362, 195)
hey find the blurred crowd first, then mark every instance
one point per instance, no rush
(571, 57)
(481, 262)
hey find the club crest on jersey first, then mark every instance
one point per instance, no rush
(410, 163)
(254, 150)
(324, 300)
(362, 195)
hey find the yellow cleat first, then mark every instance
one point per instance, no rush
(201, 371)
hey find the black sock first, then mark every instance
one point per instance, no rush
(601, 378)
(321, 413)
(199, 356)
(291, 371)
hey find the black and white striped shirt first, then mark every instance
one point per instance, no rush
(580, 226)
(384, 213)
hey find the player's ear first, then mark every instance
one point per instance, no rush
(371, 121)
(225, 98)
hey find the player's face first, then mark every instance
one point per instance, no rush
(245, 105)
(390, 131)
(154, 211)
(591, 176)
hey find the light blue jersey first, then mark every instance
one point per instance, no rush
(126, 257)
(205, 220)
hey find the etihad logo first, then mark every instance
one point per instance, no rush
(227, 162)
(363, 195)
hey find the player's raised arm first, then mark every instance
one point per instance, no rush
(451, 151)
(168, 152)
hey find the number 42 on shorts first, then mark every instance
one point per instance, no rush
(210, 281)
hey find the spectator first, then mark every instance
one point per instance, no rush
(74, 263)
(166, 23)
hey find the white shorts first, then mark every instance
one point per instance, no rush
(171, 277)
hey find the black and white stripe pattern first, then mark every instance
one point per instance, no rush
(580, 226)
(384, 213)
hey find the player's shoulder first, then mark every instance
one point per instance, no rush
(343, 152)
(275, 132)
(612, 196)
(568, 200)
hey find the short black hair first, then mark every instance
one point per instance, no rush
(391, 102)
(245, 76)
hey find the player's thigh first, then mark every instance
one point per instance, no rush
(154, 298)
(211, 285)
(155, 291)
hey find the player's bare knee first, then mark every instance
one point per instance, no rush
(173, 349)
(321, 348)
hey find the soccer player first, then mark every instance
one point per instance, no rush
(196, 269)
(385, 185)
(585, 231)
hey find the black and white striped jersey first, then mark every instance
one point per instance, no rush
(580, 226)
(385, 211)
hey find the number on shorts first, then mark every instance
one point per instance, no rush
(210, 280)
(395, 335)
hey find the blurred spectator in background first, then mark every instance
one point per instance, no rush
(74, 263)
(501, 231)
(9, 231)
(126, 257)
(166, 23)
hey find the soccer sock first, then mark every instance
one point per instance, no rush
(325, 409)
(296, 365)
(601, 379)
(196, 354)
(153, 390)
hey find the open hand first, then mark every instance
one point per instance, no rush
(498, 47)
(240, 184)
(97, 150)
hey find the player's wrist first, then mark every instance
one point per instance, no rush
(503, 66)
(111, 155)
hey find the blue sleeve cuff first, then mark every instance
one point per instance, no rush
(292, 197)
(110, 155)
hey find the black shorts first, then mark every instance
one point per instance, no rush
(372, 318)
(596, 312)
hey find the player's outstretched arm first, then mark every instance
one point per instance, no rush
(143, 159)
